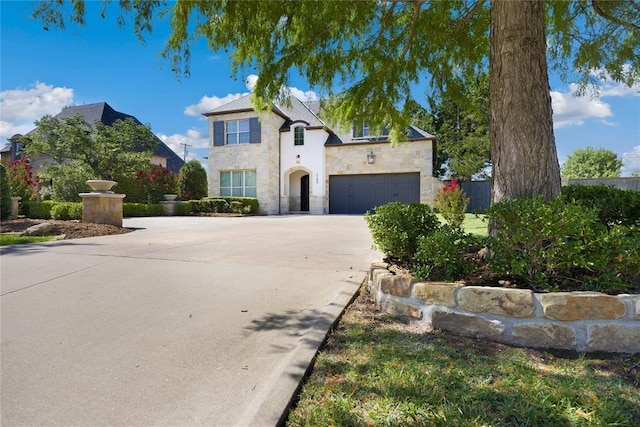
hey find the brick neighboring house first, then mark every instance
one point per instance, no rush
(292, 161)
(102, 112)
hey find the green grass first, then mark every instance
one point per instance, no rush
(375, 371)
(473, 223)
(15, 239)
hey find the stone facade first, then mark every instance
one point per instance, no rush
(580, 321)
(262, 157)
(102, 208)
(414, 156)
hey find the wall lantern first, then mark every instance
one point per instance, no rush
(371, 158)
(298, 158)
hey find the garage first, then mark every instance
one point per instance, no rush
(356, 194)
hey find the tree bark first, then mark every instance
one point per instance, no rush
(523, 148)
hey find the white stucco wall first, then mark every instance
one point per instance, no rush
(312, 162)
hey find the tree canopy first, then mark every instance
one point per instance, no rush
(591, 163)
(103, 151)
(367, 55)
(461, 124)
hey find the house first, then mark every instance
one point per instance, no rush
(292, 161)
(102, 112)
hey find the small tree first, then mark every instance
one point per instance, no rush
(192, 181)
(591, 163)
(23, 182)
(451, 203)
(5, 198)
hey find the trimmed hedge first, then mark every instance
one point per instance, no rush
(40, 210)
(142, 209)
(66, 210)
(245, 205)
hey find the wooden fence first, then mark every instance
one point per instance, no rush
(479, 192)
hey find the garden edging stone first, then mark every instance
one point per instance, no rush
(579, 321)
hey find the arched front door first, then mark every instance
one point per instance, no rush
(304, 193)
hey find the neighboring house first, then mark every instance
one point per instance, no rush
(294, 162)
(102, 112)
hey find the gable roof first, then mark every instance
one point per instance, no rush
(308, 112)
(104, 113)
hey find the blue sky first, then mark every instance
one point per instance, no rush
(43, 71)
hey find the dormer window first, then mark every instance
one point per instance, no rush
(298, 135)
(361, 130)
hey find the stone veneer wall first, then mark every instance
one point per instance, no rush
(102, 208)
(581, 321)
(411, 156)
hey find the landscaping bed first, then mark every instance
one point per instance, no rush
(72, 229)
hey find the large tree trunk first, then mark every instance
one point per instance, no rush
(523, 148)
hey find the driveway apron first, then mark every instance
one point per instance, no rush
(186, 321)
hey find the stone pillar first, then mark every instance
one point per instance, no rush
(15, 208)
(102, 208)
(170, 205)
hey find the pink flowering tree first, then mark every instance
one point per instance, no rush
(451, 203)
(23, 181)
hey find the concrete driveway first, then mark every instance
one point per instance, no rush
(186, 321)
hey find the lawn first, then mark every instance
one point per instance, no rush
(378, 371)
(473, 223)
(15, 239)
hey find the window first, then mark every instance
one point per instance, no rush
(238, 183)
(237, 132)
(298, 135)
(362, 130)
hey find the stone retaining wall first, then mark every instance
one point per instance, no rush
(581, 321)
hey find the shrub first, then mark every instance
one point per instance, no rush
(396, 227)
(184, 208)
(146, 186)
(66, 211)
(444, 254)
(614, 206)
(192, 181)
(451, 203)
(40, 210)
(142, 209)
(23, 182)
(561, 246)
(5, 197)
(236, 206)
(70, 180)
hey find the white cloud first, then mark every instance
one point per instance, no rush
(572, 110)
(251, 81)
(609, 87)
(209, 103)
(19, 108)
(193, 138)
(631, 162)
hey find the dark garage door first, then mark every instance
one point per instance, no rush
(356, 194)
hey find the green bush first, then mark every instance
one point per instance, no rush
(561, 246)
(614, 206)
(451, 203)
(445, 254)
(39, 210)
(5, 197)
(66, 210)
(142, 209)
(192, 181)
(247, 205)
(184, 208)
(396, 227)
(236, 206)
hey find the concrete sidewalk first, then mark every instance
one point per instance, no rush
(186, 321)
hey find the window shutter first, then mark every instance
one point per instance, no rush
(254, 130)
(218, 133)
